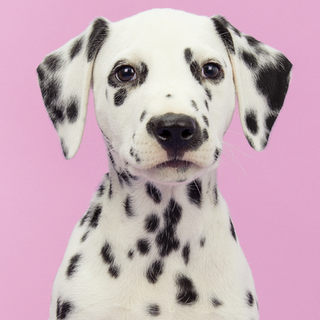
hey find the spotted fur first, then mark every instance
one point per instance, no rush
(64, 308)
(74, 261)
(157, 240)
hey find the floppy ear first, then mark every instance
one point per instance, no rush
(261, 75)
(64, 78)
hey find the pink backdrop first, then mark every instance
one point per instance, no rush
(273, 196)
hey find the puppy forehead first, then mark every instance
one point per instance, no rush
(163, 30)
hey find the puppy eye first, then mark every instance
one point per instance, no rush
(211, 70)
(125, 74)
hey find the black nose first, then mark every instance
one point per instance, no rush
(174, 132)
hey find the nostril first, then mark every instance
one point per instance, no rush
(164, 134)
(187, 133)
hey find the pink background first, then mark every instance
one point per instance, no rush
(273, 196)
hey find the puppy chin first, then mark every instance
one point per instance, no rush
(172, 172)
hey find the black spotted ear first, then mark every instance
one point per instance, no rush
(261, 75)
(64, 78)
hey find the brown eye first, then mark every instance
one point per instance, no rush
(211, 70)
(125, 74)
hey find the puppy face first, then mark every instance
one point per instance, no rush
(160, 68)
(164, 85)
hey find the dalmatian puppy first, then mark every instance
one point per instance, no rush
(157, 241)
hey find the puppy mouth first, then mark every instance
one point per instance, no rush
(177, 164)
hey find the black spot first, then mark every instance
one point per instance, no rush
(111, 159)
(250, 141)
(168, 95)
(132, 177)
(155, 271)
(50, 94)
(143, 246)
(252, 122)
(216, 302)
(233, 232)
(64, 148)
(125, 177)
(110, 190)
(151, 223)
(137, 158)
(72, 110)
(186, 253)
(273, 81)
(85, 218)
(120, 96)
(270, 120)
(154, 310)
(63, 309)
(205, 135)
(143, 114)
(53, 62)
(143, 73)
(217, 154)
(133, 154)
(85, 236)
(194, 190)
(101, 190)
(206, 103)
(215, 195)
(56, 114)
(208, 93)
(99, 33)
(166, 239)
(51, 91)
(205, 119)
(114, 271)
(108, 258)
(196, 71)
(253, 42)
(95, 216)
(194, 105)
(221, 25)
(188, 55)
(172, 213)
(249, 59)
(128, 206)
(187, 294)
(229, 25)
(202, 242)
(76, 48)
(54, 109)
(153, 192)
(250, 299)
(107, 254)
(73, 264)
(130, 254)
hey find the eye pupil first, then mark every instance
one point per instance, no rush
(125, 73)
(211, 70)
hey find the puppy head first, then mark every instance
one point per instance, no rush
(164, 84)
